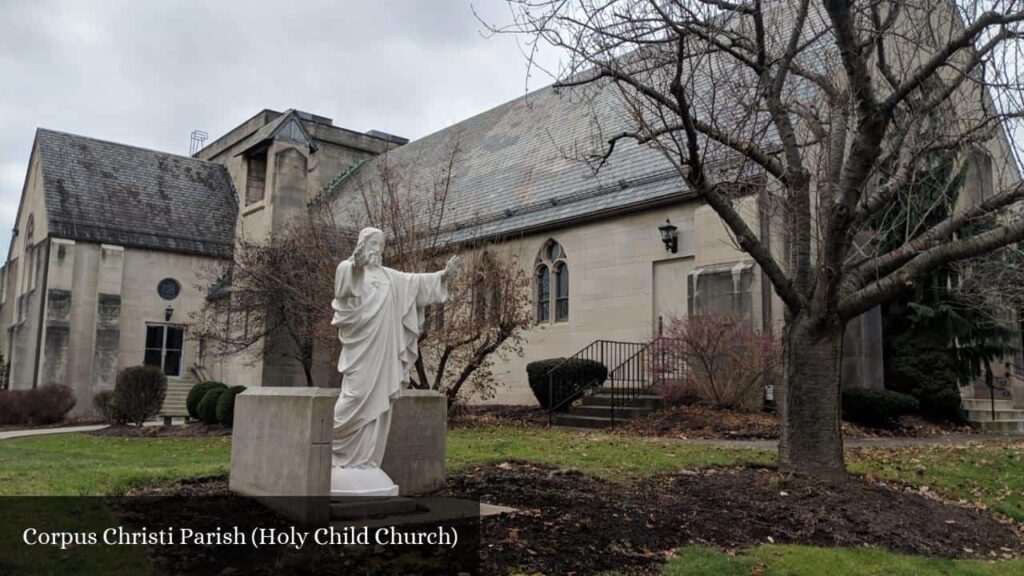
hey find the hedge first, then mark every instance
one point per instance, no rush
(139, 392)
(208, 406)
(568, 381)
(196, 394)
(42, 405)
(876, 407)
(226, 405)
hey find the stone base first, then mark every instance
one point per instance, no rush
(282, 437)
(361, 482)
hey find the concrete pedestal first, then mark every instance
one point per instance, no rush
(281, 446)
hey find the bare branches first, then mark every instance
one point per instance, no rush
(839, 105)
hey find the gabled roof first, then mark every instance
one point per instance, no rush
(107, 192)
(514, 169)
(287, 125)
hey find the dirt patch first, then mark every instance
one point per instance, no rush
(569, 522)
(206, 506)
(479, 416)
(701, 422)
(62, 424)
(194, 429)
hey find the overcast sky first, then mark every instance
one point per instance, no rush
(148, 73)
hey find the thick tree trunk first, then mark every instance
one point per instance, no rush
(811, 442)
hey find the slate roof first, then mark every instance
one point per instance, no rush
(117, 194)
(519, 167)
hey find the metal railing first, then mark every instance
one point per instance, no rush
(577, 375)
(656, 363)
(636, 368)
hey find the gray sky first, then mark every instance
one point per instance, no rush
(148, 73)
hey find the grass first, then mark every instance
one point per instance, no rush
(809, 561)
(79, 464)
(613, 457)
(990, 474)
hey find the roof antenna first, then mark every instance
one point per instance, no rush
(198, 139)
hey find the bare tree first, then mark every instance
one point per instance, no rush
(829, 110)
(274, 297)
(487, 312)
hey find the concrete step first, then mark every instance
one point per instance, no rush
(1002, 426)
(985, 404)
(605, 399)
(604, 411)
(985, 415)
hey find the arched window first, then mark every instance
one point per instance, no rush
(551, 262)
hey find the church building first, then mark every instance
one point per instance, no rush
(113, 244)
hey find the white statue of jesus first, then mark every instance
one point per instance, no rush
(378, 312)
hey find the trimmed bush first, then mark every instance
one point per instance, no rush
(107, 407)
(226, 405)
(43, 405)
(139, 392)
(11, 411)
(568, 381)
(876, 407)
(196, 395)
(208, 405)
(48, 404)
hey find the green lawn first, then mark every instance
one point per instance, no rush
(613, 457)
(990, 473)
(79, 464)
(808, 561)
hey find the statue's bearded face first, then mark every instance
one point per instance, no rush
(373, 250)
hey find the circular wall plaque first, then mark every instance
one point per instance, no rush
(168, 288)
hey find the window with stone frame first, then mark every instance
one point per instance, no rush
(552, 268)
(256, 177)
(165, 348)
(721, 289)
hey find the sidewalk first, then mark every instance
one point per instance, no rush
(45, 431)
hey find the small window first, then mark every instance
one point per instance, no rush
(561, 292)
(256, 178)
(543, 293)
(165, 347)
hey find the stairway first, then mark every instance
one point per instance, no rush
(174, 401)
(1007, 418)
(594, 411)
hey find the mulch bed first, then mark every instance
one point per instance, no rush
(62, 424)
(488, 415)
(194, 429)
(205, 505)
(698, 422)
(708, 423)
(569, 522)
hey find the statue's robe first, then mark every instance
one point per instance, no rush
(379, 327)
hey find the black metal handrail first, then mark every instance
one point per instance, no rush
(606, 352)
(655, 363)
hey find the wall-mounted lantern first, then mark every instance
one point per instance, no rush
(670, 236)
(168, 312)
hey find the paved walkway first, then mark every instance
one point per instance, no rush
(46, 431)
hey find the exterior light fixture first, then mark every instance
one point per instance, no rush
(168, 312)
(670, 236)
